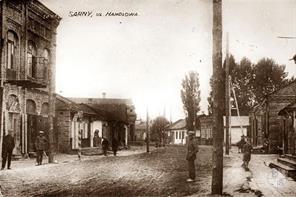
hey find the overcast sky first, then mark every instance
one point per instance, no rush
(145, 57)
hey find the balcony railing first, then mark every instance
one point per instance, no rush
(36, 74)
(11, 74)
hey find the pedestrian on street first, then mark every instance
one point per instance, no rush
(7, 148)
(247, 150)
(41, 145)
(114, 146)
(241, 143)
(105, 146)
(192, 149)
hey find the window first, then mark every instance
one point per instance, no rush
(32, 60)
(182, 134)
(11, 49)
(180, 137)
(176, 135)
(45, 63)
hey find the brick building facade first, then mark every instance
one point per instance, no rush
(28, 44)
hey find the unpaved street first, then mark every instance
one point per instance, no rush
(160, 173)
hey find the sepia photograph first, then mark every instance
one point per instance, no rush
(148, 98)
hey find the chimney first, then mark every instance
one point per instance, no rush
(104, 95)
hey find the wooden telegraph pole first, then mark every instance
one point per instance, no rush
(51, 103)
(218, 103)
(147, 132)
(227, 97)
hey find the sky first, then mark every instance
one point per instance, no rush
(145, 57)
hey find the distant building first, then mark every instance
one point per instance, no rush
(120, 115)
(178, 132)
(140, 130)
(239, 127)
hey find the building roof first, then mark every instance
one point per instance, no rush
(238, 121)
(113, 109)
(288, 108)
(179, 124)
(116, 101)
(235, 121)
(141, 125)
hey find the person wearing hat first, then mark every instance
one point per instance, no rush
(7, 148)
(41, 145)
(192, 149)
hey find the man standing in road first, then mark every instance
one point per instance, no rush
(192, 149)
(41, 145)
(7, 148)
(114, 146)
(105, 146)
(247, 149)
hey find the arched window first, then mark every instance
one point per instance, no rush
(32, 60)
(44, 109)
(31, 107)
(11, 49)
(46, 60)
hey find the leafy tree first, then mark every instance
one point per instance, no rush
(268, 77)
(190, 95)
(242, 81)
(253, 82)
(158, 128)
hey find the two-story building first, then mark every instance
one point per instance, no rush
(28, 47)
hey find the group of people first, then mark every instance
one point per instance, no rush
(41, 145)
(105, 146)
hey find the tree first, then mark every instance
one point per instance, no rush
(158, 129)
(242, 81)
(190, 95)
(268, 77)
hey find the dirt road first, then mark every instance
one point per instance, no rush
(160, 173)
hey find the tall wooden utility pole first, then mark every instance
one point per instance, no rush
(51, 103)
(227, 96)
(147, 132)
(218, 103)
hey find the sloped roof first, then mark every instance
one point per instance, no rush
(140, 125)
(102, 100)
(179, 124)
(238, 121)
(113, 109)
(282, 89)
(288, 108)
(62, 103)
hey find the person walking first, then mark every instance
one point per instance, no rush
(247, 150)
(105, 146)
(114, 146)
(7, 148)
(41, 145)
(241, 143)
(192, 149)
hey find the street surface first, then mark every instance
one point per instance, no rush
(259, 181)
(160, 173)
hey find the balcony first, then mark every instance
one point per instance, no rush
(36, 77)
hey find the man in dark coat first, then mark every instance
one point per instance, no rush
(114, 146)
(247, 150)
(192, 149)
(105, 146)
(7, 148)
(41, 145)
